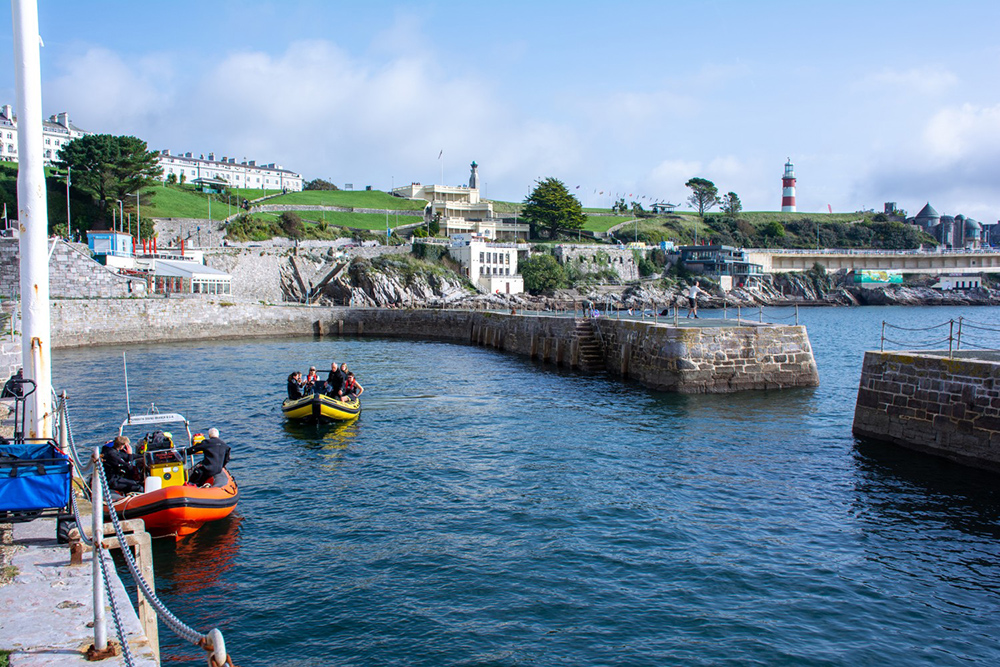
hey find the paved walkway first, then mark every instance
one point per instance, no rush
(45, 610)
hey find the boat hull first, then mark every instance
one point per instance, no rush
(321, 409)
(180, 510)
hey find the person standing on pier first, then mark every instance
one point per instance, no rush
(693, 299)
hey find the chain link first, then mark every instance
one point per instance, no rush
(115, 615)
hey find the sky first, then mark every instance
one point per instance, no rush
(872, 101)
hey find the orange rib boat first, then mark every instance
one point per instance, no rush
(182, 509)
(169, 505)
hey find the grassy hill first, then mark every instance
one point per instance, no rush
(375, 199)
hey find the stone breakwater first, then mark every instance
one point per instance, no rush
(949, 407)
(682, 359)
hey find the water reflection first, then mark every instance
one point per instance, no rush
(330, 440)
(895, 485)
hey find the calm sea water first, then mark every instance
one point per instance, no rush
(486, 510)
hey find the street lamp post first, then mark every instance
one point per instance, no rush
(138, 226)
(69, 223)
(121, 213)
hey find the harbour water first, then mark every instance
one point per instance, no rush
(486, 510)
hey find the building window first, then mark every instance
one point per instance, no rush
(481, 256)
(48, 142)
(482, 269)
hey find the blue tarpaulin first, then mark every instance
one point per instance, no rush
(33, 477)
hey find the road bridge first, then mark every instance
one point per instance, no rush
(904, 261)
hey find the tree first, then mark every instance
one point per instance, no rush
(704, 195)
(541, 272)
(731, 205)
(319, 184)
(550, 206)
(110, 167)
(291, 224)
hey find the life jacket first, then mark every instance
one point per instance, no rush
(350, 384)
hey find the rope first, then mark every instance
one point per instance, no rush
(79, 522)
(921, 345)
(119, 626)
(965, 323)
(72, 446)
(936, 326)
(966, 320)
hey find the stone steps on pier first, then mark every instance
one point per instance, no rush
(591, 352)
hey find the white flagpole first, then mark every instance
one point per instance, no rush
(33, 218)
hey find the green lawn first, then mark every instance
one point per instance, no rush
(371, 221)
(349, 198)
(763, 217)
(183, 201)
(602, 223)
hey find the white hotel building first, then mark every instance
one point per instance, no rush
(58, 130)
(243, 174)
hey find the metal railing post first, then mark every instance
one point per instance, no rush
(881, 344)
(739, 314)
(796, 314)
(958, 340)
(951, 330)
(97, 534)
(675, 315)
(760, 314)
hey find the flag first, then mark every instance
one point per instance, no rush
(829, 208)
(441, 153)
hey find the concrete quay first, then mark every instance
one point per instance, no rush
(948, 406)
(46, 608)
(702, 356)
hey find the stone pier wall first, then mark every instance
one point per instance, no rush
(928, 402)
(659, 356)
(709, 359)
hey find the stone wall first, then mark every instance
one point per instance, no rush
(72, 273)
(928, 402)
(709, 359)
(591, 259)
(10, 357)
(658, 356)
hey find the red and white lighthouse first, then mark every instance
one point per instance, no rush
(788, 189)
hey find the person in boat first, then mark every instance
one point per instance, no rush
(335, 381)
(119, 465)
(352, 389)
(312, 380)
(215, 456)
(295, 388)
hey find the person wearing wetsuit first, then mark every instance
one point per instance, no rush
(295, 386)
(215, 456)
(335, 381)
(119, 465)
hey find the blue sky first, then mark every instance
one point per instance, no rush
(873, 101)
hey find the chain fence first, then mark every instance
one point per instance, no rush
(952, 334)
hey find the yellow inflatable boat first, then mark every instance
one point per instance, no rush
(320, 408)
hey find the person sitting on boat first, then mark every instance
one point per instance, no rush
(295, 389)
(312, 380)
(335, 381)
(215, 456)
(119, 465)
(351, 387)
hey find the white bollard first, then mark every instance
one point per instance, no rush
(97, 534)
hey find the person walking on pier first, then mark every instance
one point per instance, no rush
(693, 299)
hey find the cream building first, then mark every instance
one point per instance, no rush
(462, 211)
(244, 174)
(56, 131)
(492, 267)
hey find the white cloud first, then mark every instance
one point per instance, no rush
(963, 133)
(103, 92)
(931, 80)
